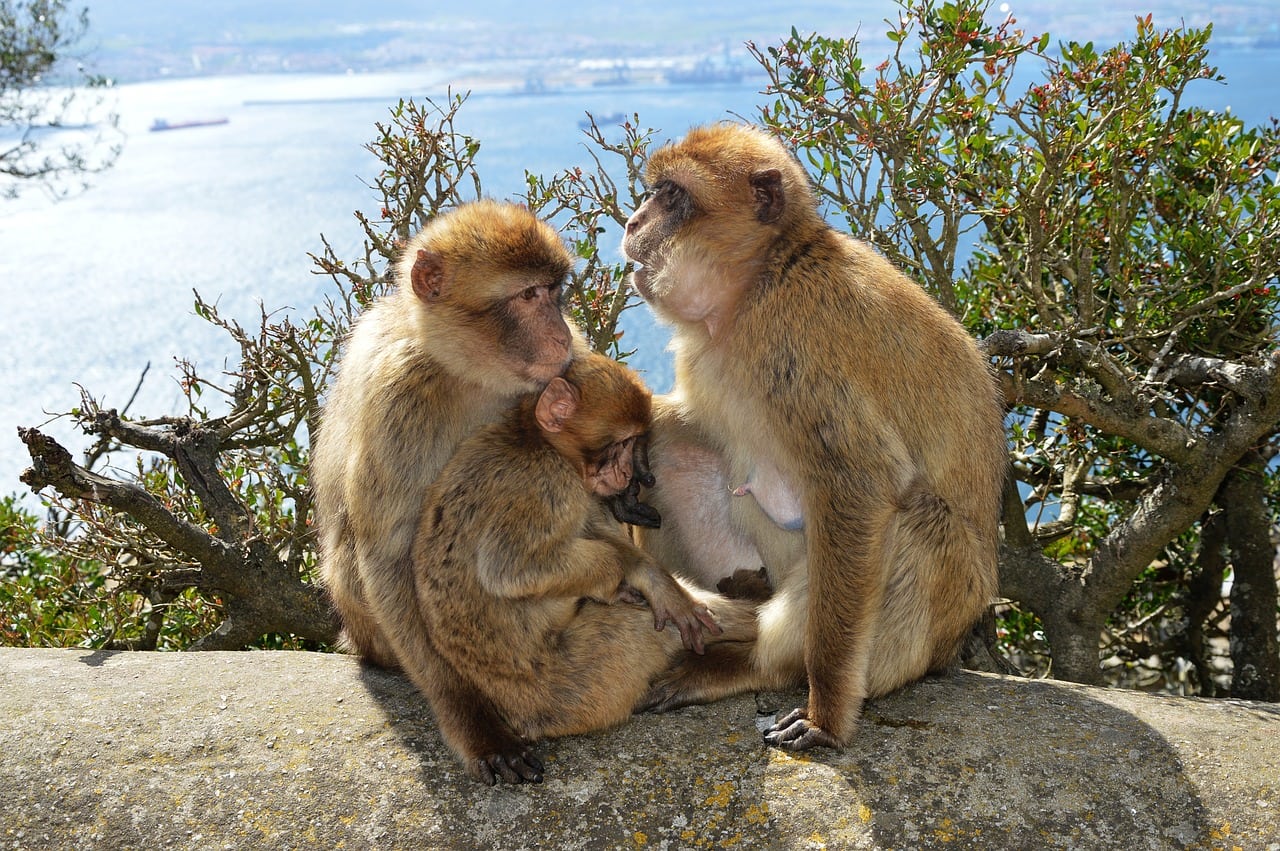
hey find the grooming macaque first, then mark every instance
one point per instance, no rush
(474, 323)
(858, 415)
(528, 588)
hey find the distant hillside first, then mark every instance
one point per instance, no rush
(143, 39)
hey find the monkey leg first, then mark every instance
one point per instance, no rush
(726, 669)
(940, 582)
(361, 634)
(767, 654)
(471, 726)
(600, 668)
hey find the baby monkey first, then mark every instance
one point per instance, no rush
(532, 593)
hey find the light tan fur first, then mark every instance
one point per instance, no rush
(803, 352)
(424, 367)
(525, 582)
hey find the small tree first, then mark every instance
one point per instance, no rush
(1119, 251)
(209, 533)
(37, 95)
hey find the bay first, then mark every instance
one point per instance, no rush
(95, 288)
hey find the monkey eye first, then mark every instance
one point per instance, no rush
(529, 293)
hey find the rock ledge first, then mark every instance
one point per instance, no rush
(298, 750)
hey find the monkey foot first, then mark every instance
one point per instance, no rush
(746, 584)
(664, 695)
(795, 732)
(514, 765)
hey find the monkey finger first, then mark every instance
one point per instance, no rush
(798, 714)
(690, 634)
(708, 620)
(642, 472)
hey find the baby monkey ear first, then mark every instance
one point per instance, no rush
(427, 276)
(556, 405)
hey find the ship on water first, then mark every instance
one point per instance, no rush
(162, 124)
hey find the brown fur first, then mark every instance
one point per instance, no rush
(803, 353)
(473, 324)
(519, 569)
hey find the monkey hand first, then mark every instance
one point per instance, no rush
(795, 732)
(746, 584)
(672, 605)
(514, 764)
(627, 507)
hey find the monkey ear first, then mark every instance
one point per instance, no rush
(556, 405)
(770, 199)
(427, 276)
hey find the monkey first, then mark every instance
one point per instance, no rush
(528, 588)
(860, 414)
(475, 322)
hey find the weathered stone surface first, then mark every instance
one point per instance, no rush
(295, 750)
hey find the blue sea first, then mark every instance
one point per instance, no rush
(96, 287)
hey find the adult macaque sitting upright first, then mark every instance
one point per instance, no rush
(829, 420)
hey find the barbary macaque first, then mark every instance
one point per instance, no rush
(529, 589)
(474, 323)
(859, 417)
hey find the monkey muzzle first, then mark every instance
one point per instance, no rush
(640, 280)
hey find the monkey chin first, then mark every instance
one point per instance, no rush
(541, 373)
(640, 280)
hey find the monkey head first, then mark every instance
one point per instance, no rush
(486, 281)
(593, 416)
(718, 200)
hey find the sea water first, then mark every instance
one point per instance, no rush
(95, 288)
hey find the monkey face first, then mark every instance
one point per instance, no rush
(534, 336)
(650, 230)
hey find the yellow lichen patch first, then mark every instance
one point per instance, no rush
(1220, 832)
(721, 796)
(731, 841)
(733, 738)
(945, 833)
(757, 814)
(864, 814)
(777, 755)
(639, 838)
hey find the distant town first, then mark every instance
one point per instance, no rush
(527, 46)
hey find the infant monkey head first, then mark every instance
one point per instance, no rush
(592, 417)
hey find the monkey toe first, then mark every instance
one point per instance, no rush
(795, 732)
(514, 766)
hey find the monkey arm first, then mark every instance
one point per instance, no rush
(670, 602)
(856, 474)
